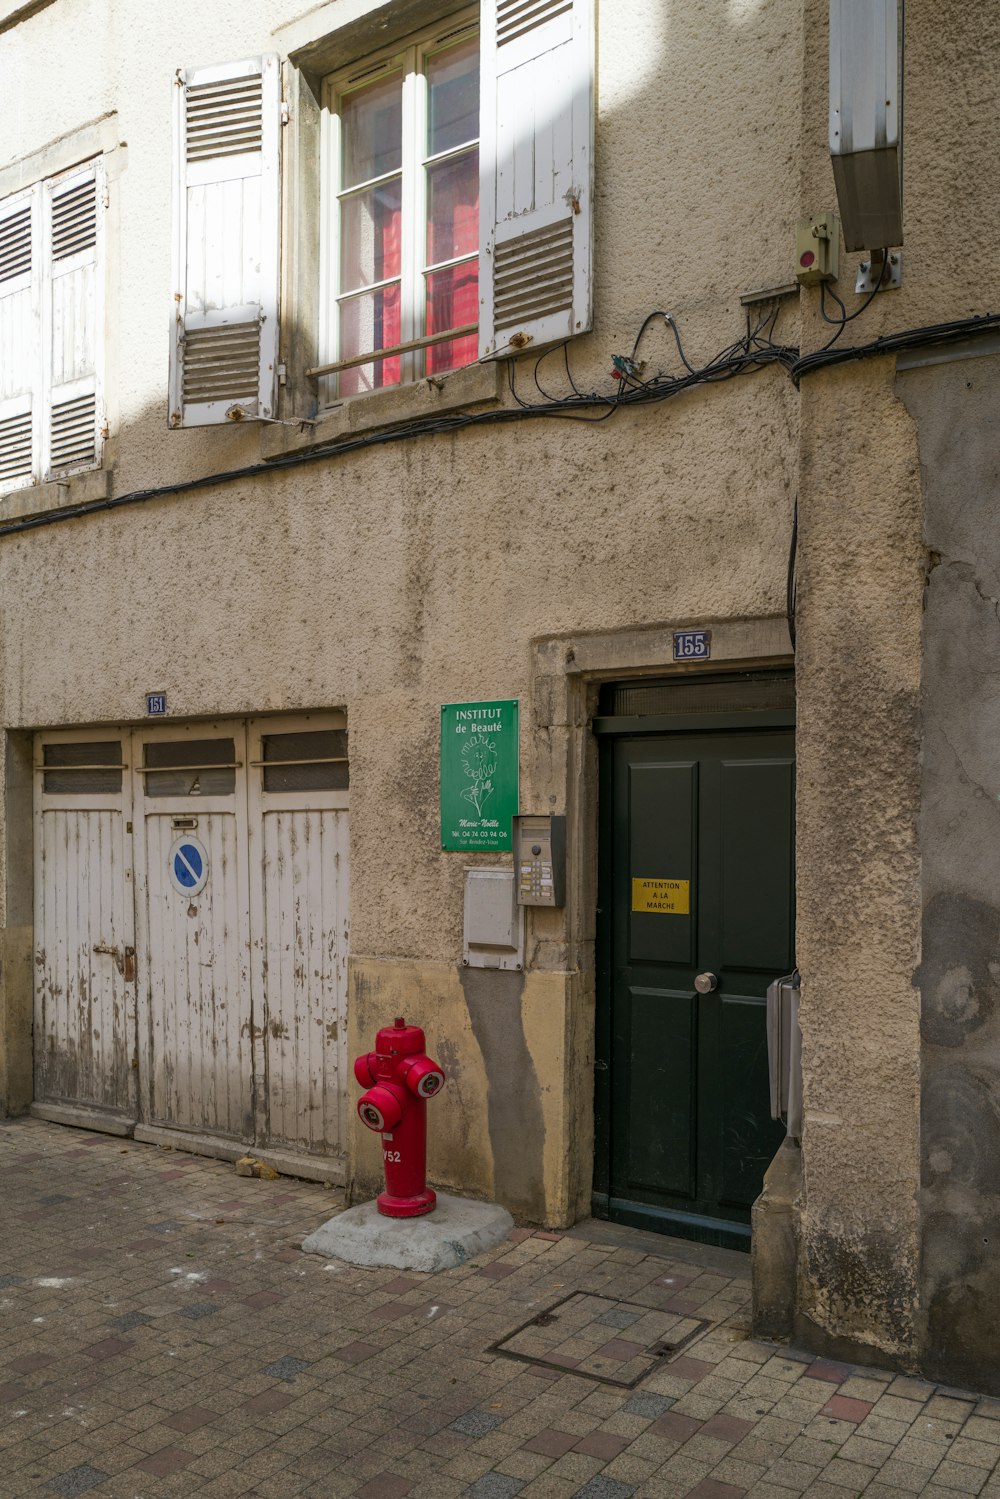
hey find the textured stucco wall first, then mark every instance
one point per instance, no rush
(955, 407)
(858, 661)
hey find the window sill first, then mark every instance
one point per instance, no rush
(55, 494)
(476, 385)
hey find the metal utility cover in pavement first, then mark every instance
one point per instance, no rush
(613, 1342)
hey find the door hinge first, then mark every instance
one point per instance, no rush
(284, 112)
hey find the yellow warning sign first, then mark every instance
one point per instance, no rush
(671, 897)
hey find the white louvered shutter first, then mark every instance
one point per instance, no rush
(536, 154)
(227, 123)
(72, 320)
(20, 342)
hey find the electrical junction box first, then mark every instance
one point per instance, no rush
(866, 50)
(540, 860)
(494, 922)
(817, 249)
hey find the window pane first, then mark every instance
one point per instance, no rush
(308, 744)
(369, 235)
(453, 208)
(71, 782)
(326, 749)
(452, 301)
(453, 97)
(370, 321)
(372, 130)
(193, 782)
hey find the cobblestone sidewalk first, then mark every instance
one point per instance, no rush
(161, 1334)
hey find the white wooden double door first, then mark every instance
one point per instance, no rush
(191, 927)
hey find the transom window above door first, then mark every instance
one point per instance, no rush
(401, 213)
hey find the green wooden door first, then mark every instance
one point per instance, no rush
(697, 878)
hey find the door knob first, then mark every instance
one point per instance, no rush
(706, 982)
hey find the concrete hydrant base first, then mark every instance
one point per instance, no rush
(455, 1232)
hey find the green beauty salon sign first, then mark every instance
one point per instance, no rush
(479, 762)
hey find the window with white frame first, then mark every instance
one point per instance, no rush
(455, 180)
(401, 212)
(51, 323)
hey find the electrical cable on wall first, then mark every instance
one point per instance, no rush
(791, 584)
(754, 352)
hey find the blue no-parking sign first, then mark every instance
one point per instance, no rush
(188, 865)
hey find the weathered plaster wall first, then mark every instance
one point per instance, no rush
(955, 407)
(858, 675)
(858, 664)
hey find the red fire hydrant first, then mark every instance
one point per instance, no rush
(400, 1077)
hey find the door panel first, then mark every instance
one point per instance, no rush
(663, 1043)
(697, 873)
(195, 1009)
(84, 1007)
(298, 797)
(198, 986)
(663, 833)
(756, 835)
(304, 913)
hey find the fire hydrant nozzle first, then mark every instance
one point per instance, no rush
(399, 1078)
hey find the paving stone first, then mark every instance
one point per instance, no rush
(355, 1353)
(77, 1481)
(552, 1442)
(198, 1310)
(166, 1461)
(602, 1487)
(385, 1486)
(128, 1320)
(602, 1444)
(266, 1403)
(840, 1408)
(191, 1418)
(831, 1373)
(476, 1423)
(644, 1404)
(287, 1367)
(495, 1486)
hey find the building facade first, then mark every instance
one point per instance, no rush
(365, 361)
